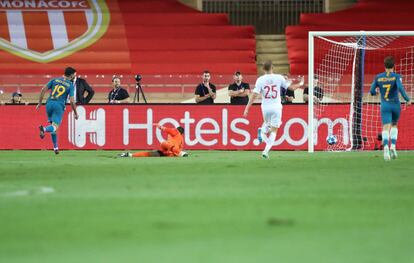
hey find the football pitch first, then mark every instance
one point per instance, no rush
(214, 206)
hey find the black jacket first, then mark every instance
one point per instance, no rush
(81, 87)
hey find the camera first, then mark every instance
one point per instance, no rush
(138, 77)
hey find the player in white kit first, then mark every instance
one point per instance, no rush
(270, 86)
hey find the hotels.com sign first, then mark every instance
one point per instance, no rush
(206, 127)
(216, 130)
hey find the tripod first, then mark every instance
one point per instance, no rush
(139, 89)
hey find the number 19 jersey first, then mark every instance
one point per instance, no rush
(60, 89)
(270, 87)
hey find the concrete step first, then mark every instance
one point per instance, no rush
(271, 50)
(275, 58)
(274, 46)
(270, 44)
(271, 37)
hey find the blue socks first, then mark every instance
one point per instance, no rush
(54, 139)
(52, 130)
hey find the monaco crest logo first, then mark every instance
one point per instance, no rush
(47, 30)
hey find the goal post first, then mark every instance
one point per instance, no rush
(341, 65)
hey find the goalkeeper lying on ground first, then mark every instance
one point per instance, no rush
(172, 147)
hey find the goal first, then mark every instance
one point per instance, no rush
(342, 66)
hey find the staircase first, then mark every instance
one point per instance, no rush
(272, 47)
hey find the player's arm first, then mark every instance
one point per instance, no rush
(295, 86)
(170, 131)
(252, 99)
(73, 105)
(373, 89)
(402, 90)
(42, 94)
(72, 100)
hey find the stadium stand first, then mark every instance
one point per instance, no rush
(158, 37)
(364, 15)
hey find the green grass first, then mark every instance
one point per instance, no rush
(84, 206)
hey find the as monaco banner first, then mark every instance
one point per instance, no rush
(206, 127)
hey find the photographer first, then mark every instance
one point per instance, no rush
(117, 94)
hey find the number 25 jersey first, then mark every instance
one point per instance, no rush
(270, 87)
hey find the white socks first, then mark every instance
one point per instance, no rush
(385, 138)
(393, 136)
(270, 141)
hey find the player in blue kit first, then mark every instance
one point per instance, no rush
(390, 85)
(60, 89)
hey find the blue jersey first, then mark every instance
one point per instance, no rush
(60, 89)
(389, 85)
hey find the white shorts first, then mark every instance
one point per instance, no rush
(272, 116)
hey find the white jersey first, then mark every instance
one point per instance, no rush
(270, 87)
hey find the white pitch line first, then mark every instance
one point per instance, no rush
(36, 191)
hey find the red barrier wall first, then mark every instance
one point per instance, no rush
(206, 127)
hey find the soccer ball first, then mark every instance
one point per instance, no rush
(331, 139)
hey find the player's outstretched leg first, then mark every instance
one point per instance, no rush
(125, 154)
(385, 140)
(54, 140)
(269, 142)
(140, 154)
(263, 132)
(393, 136)
(259, 135)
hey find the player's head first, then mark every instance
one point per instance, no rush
(70, 73)
(389, 62)
(116, 82)
(180, 129)
(268, 66)
(238, 77)
(206, 76)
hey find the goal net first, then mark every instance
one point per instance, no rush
(342, 66)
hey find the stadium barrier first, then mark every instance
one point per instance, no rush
(215, 127)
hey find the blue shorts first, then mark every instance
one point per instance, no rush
(55, 111)
(390, 113)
